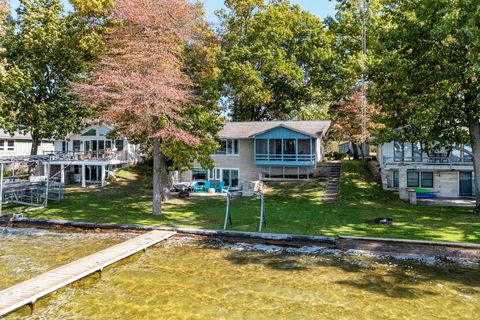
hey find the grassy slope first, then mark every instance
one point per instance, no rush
(290, 208)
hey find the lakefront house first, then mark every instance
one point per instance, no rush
(91, 155)
(260, 151)
(445, 173)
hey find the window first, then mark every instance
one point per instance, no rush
(2, 145)
(304, 146)
(413, 179)
(276, 146)
(108, 144)
(119, 145)
(406, 151)
(261, 146)
(10, 145)
(228, 146)
(427, 179)
(90, 133)
(64, 146)
(76, 145)
(102, 132)
(230, 177)
(395, 179)
(199, 174)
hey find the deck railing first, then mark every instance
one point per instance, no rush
(285, 157)
(446, 161)
(104, 155)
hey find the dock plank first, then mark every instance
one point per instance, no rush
(29, 291)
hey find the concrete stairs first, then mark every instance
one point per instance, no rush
(332, 188)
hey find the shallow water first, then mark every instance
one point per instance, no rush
(190, 279)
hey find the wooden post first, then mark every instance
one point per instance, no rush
(262, 212)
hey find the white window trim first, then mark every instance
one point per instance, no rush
(228, 154)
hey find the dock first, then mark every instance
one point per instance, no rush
(28, 292)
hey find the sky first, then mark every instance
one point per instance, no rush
(321, 8)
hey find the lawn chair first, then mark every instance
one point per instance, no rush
(220, 186)
(207, 186)
(197, 187)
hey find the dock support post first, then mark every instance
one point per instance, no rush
(228, 217)
(32, 307)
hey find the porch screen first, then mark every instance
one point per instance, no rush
(261, 146)
(199, 174)
(304, 146)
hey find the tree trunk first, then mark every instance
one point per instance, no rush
(475, 136)
(157, 184)
(161, 179)
(35, 140)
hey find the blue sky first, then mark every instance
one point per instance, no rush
(321, 8)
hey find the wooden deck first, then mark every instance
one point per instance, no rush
(27, 292)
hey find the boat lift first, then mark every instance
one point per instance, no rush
(228, 215)
(23, 188)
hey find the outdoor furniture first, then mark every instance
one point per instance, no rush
(197, 187)
(207, 185)
(425, 194)
(220, 186)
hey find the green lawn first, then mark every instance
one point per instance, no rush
(290, 208)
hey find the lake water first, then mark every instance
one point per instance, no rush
(193, 279)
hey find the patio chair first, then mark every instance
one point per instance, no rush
(207, 186)
(220, 186)
(197, 187)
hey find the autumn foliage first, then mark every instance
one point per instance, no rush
(347, 125)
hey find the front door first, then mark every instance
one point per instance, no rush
(466, 184)
(230, 177)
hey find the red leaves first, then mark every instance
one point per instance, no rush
(140, 78)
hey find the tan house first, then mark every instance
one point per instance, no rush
(446, 173)
(253, 151)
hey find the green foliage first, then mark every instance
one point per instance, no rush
(275, 59)
(46, 50)
(426, 70)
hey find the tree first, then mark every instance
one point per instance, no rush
(348, 119)
(46, 50)
(426, 74)
(275, 59)
(155, 82)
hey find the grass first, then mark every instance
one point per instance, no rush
(290, 208)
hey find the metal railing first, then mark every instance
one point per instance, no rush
(433, 161)
(104, 155)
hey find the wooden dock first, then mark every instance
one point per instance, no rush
(27, 292)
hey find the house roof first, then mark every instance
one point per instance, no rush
(244, 130)
(17, 135)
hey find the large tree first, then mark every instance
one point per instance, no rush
(157, 81)
(348, 118)
(46, 50)
(275, 59)
(426, 74)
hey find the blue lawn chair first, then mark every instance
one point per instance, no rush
(197, 187)
(220, 186)
(207, 186)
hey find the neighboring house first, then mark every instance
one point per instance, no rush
(343, 148)
(20, 144)
(253, 151)
(91, 155)
(405, 165)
